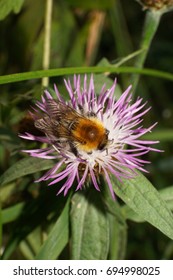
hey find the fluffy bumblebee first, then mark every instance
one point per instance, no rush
(68, 129)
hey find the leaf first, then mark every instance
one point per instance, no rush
(117, 225)
(30, 246)
(160, 134)
(118, 238)
(18, 77)
(89, 227)
(101, 79)
(0, 226)
(58, 237)
(24, 167)
(130, 214)
(12, 213)
(8, 6)
(166, 194)
(34, 214)
(77, 52)
(90, 4)
(140, 195)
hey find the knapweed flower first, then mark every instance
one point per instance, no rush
(89, 135)
(157, 4)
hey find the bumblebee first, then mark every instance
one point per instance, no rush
(69, 129)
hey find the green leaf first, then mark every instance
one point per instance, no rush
(118, 238)
(12, 213)
(90, 4)
(35, 213)
(0, 226)
(150, 27)
(166, 194)
(117, 225)
(8, 6)
(77, 51)
(130, 214)
(140, 195)
(30, 246)
(161, 135)
(11, 78)
(58, 237)
(24, 167)
(89, 227)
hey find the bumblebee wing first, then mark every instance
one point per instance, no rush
(46, 124)
(53, 108)
(42, 124)
(59, 110)
(48, 127)
(60, 122)
(55, 131)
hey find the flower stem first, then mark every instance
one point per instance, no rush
(47, 37)
(152, 20)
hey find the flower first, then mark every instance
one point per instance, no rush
(157, 4)
(119, 123)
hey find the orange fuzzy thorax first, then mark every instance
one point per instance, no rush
(91, 134)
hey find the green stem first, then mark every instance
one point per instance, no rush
(152, 20)
(47, 35)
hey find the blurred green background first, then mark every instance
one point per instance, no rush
(82, 34)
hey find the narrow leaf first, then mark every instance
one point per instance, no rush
(160, 134)
(118, 239)
(117, 225)
(130, 214)
(12, 213)
(140, 195)
(166, 194)
(0, 226)
(8, 6)
(39, 208)
(17, 77)
(90, 227)
(90, 4)
(24, 167)
(58, 237)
